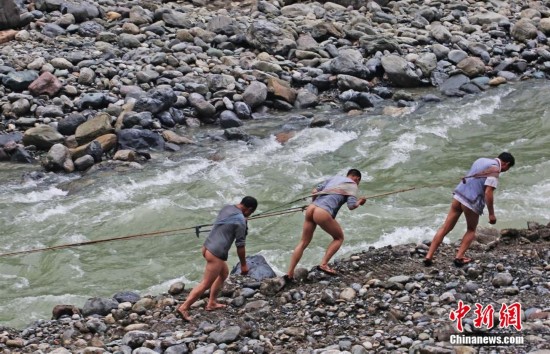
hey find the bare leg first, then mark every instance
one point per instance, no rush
(448, 225)
(330, 226)
(307, 235)
(472, 219)
(215, 289)
(213, 269)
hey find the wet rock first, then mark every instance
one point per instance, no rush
(399, 72)
(93, 128)
(137, 139)
(99, 306)
(42, 136)
(225, 336)
(258, 268)
(58, 159)
(255, 94)
(19, 80)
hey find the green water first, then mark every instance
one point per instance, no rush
(430, 149)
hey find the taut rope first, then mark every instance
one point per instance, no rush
(196, 228)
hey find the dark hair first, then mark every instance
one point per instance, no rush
(507, 157)
(354, 172)
(250, 202)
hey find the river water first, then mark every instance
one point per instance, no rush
(430, 148)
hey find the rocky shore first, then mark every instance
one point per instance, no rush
(85, 82)
(383, 301)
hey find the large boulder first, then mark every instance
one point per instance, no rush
(19, 80)
(99, 306)
(472, 66)
(139, 140)
(82, 11)
(349, 62)
(9, 14)
(281, 89)
(157, 100)
(42, 136)
(399, 72)
(524, 30)
(268, 37)
(255, 94)
(95, 127)
(58, 159)
(258, 268)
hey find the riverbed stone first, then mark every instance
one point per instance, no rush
(93, 128)
(42, 136)
(99, 306)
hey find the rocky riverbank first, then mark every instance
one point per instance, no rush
(383, 301)
(87, 81)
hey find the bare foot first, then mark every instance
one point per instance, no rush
(326, 269)
(215, 307)
(184, 315)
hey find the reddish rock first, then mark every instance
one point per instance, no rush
(6, 36)
(47, 84)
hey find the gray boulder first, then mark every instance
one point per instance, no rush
(377, 43)
(399, 72)
(177, 19)
(269, 37)
(258, 268)
(48, 5)
(440, 33)
(82, 11)
(157, 100)
(9, 14)
(127, 296)
(83, 163)
(93, 128)
(242, 110)
(58, 159)
(135, 339)
(138, 139)
(19, 80)
(306, 99)
(454, 83)
(255, 94)
(524, 30)
(228, 119)
(227, 335)
(205, 109)
(349, 62)
(99, 306)
(222, 25)
(472, 66)
(348, 82)
(42, 136)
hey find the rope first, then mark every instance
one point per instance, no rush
(143, 235)
(196, 228)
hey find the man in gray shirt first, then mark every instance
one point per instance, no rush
(230, 226)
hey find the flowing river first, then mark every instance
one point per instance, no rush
(430, 149)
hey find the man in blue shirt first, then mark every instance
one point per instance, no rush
(230, 226)
(470, 197)
(328, 197)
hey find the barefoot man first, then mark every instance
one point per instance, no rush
(470, 196)
(230, 226)
(328, 197)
